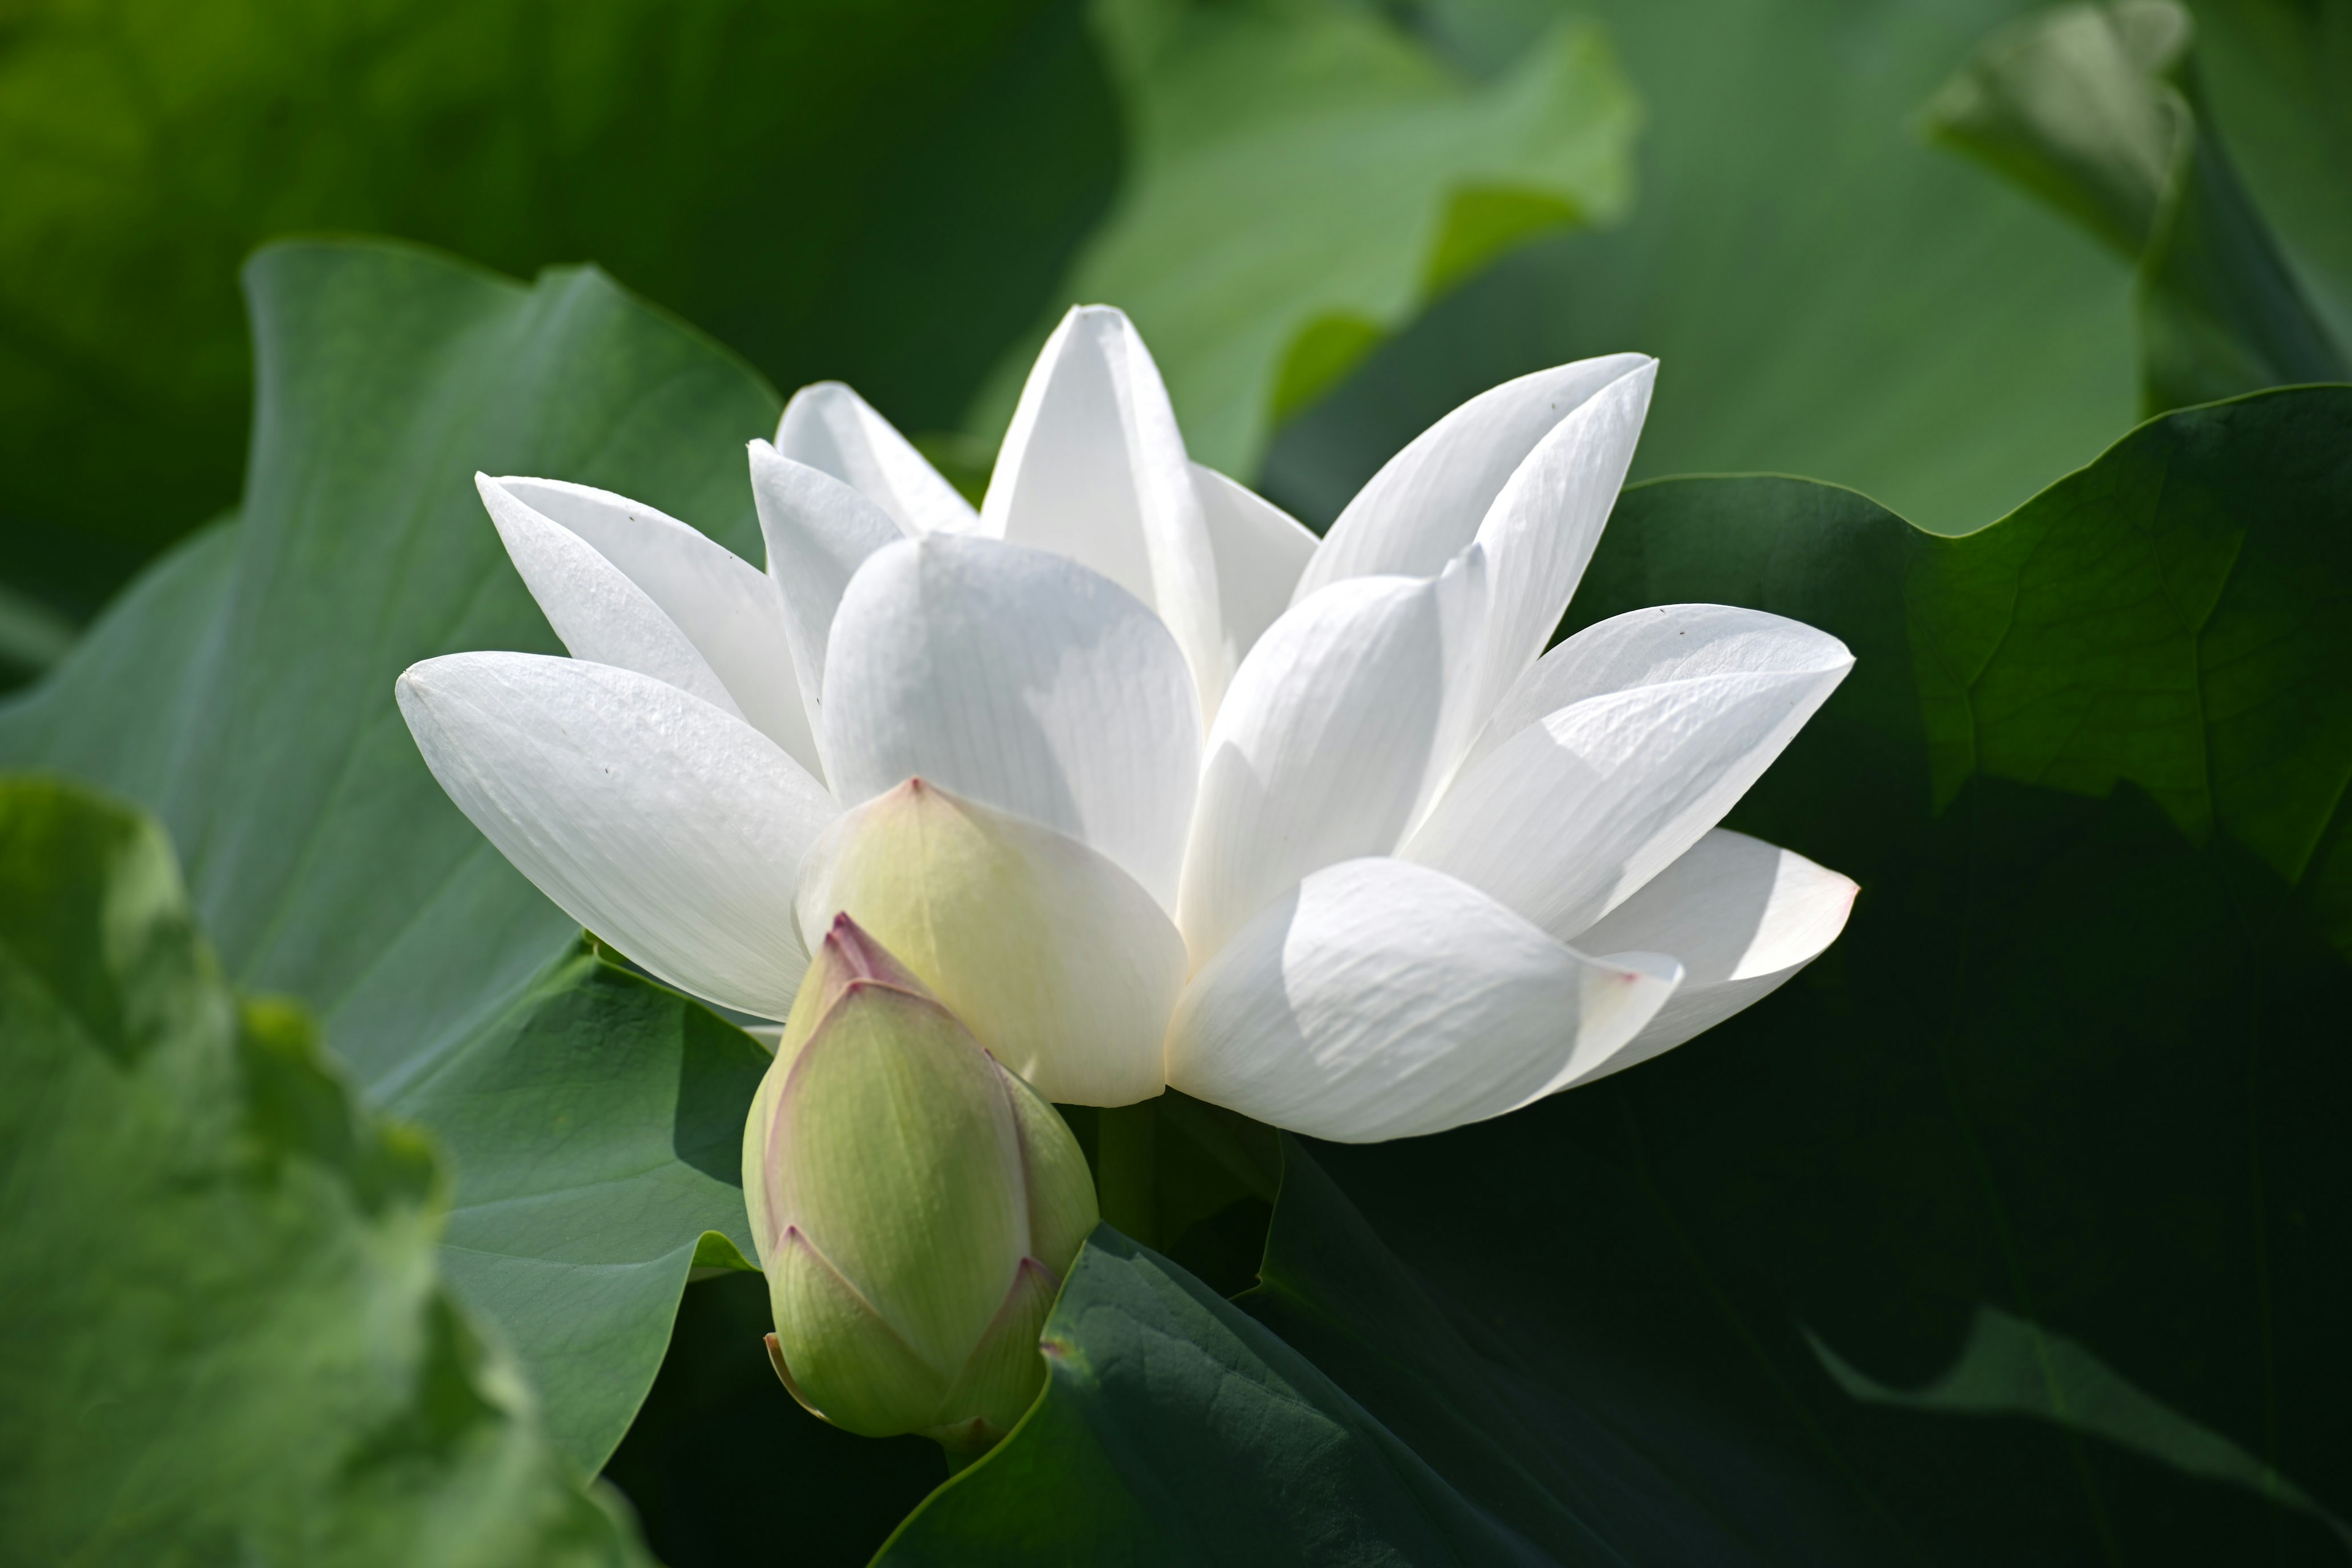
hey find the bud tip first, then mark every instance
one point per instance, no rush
(860, 957)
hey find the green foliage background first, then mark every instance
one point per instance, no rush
(2014, 1231)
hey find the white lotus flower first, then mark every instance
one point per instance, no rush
(1147, 784)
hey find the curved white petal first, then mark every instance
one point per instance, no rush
(1021, 681)
(1428, 500)
(1093, 468)
(1742, 916)
(837, 432)
(1338, 729)
(819, 531)
(671, 829)
(1567, 817)
(1260, 551)
(596, 609)
(725, 608)
(1057, 961)
(1381, 999)
(1540, 531)
(1650, 646)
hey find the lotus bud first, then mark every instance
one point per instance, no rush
(914, 1205)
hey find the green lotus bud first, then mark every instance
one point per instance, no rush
(914, 1204)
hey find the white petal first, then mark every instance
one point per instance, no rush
(1337, 732)
(1427, 502)
(819, 531)
(1093, 468)
(1057, 961)
(1650, 646)
(1020, 681)
(1571, 815)
(596, 609)
(669, 828)
(1740, 914)
(837, 432)
(1260, 551)
(1540, 531)
(724, 606)
(1383, 1000)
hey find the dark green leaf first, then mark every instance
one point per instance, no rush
(243, 693)
(1827, 295)
(885, 191)
(718, 1429)
(223, 1339)
(2015, 1230)
(1173, 1429)
(2029, 1189)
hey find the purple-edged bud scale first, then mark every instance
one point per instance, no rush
(914, 1205)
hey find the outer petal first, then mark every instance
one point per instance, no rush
(1383, 1000)
(1335, 734)
(1093, 468)
(837, 432)
(838, 1355)
(666, 827)
(897, 1155)
(1540, 531)
(1055, 959)
(1062, 1208)
(1002, 1378)
(726, 609)
(1741, 915)
(819, 531)
(1566, 819)
(1023, 682)
(1428, 500)
(1650, 646)
(599, 612)
(1260, 551)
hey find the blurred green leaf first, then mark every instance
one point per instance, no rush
(2277, 79)
(242, 690)
(882, 190)
(2092, 107)
(1827, 295)
(1304, 178)
(223, 1339)
(2079, 105)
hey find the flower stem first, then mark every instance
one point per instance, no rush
(1127, 1168)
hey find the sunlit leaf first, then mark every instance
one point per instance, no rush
(1304, 177)
(242, 690)
(1827, 293)
(223, 1337)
